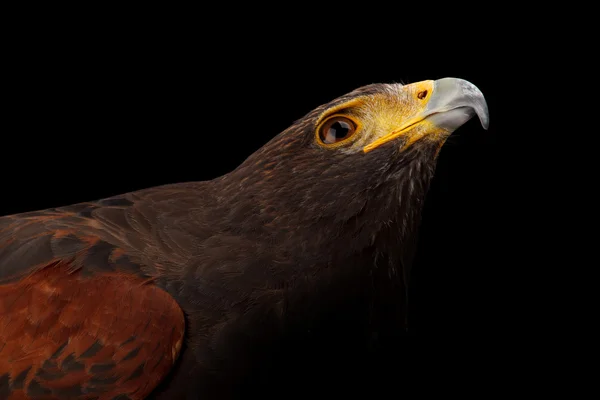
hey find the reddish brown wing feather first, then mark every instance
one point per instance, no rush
(79, 316)
(64, 335)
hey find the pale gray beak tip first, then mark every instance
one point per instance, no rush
(485, 119)
(459, 100)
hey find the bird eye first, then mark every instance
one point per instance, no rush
(336, 129)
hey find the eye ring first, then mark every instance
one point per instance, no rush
(336, 130)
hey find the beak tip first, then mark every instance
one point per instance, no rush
(485, 123)
(455, 92)
(484, 117)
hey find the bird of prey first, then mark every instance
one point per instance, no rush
(157, 293)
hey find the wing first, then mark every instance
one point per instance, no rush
(80, 314)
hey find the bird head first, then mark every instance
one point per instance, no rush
(401, 115)
(353, 166)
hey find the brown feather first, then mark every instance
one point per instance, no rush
(80, 337)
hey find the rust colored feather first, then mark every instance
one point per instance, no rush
(64, 335)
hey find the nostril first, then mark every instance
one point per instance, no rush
(421, 95)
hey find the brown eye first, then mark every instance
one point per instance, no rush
(336, 129)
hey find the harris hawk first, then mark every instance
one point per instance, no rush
(160, 293)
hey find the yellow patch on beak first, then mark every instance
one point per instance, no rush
(435, 108)
(419, 94)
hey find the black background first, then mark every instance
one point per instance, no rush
(93, 115)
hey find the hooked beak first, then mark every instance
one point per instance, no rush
(445, 103)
